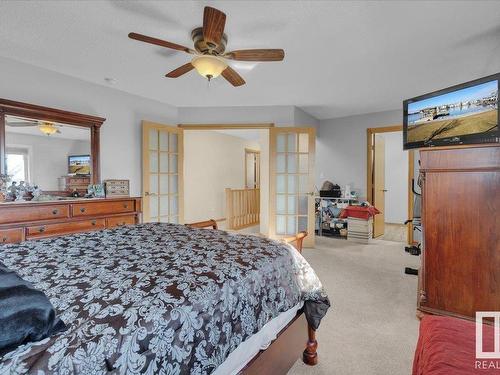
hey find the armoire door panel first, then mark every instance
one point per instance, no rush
(462, 243)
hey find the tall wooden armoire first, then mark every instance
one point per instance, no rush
(460, 272)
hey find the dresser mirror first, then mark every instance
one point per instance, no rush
(47, 154)
(52, 154)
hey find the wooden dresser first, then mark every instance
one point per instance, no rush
(460, 272)
(21, 221)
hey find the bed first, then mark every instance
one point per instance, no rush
(166, 299)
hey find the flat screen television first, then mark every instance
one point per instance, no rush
(463, 114)
(79, 165)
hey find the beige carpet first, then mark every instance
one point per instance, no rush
(371, 327)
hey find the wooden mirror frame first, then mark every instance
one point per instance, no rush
(93, 123)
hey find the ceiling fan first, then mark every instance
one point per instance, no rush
(209, 50)
(46, 127)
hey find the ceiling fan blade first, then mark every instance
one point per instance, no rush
(233, 77)
(180, 70)
(213, 25)
(159, 42)
(22, 124)
(256, 55)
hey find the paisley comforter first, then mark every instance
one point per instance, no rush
(157, 298)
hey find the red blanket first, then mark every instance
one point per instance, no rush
(359, 212)
(446, 346)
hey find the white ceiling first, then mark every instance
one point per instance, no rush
(342, 58)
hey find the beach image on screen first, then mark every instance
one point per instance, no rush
(470, 110)
(79, 164)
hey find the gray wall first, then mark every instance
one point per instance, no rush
(121, 133)
(287, 115)
(302, 118)
(341, 148)
(280, 115)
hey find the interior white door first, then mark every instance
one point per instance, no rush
(379, 186)
(162, 173)
(291, 188)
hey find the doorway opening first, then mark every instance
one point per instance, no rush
(390, 172)
(222, 177)
(252, 169)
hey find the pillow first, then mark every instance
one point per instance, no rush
(26, 314)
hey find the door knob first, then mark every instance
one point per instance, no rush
(384, 190)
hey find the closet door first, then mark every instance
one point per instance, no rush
(162, 164)
(291, 185)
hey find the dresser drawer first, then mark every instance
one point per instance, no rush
(11, 235)
(120, 221)
(33, 213)
(65, 228)
(103, 208)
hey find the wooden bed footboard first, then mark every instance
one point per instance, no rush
(204, 224)
(288, 346)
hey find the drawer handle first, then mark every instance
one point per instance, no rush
(4, 239)
(93, 222)
(125, 205)
(41, 229)
(55, 212)
(82, 209)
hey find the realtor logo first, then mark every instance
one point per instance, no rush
(480, 353)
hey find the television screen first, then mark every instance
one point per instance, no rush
(466, 113)
(79, 164)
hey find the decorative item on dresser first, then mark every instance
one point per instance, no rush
(117, 188)
(33, 220)
(461, 255)
(74, 183)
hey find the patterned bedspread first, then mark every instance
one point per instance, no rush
(157, 298)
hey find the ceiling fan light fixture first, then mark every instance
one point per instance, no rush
(47, 128)
(209, 66)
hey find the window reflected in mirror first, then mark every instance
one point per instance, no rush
(54, 156)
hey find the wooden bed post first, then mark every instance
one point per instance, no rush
(310, 355)
(298, 239)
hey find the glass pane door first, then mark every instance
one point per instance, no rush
(162, 173)
(292, 182)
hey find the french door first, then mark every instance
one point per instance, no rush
(291, 188)
(162, 173)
